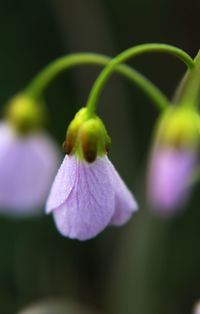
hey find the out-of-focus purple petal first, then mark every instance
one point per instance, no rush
(196, 308)
(125, 203)
(27, 167)
(90, 205)
(170, 172)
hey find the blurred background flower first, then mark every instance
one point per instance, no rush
(28, 164)
(59, 306)
(150, 265)
(197, 308)
(29, 158)
(174, 160)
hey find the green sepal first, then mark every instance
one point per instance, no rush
(24, 114)
(86, 137)
(94, 139)
(69, 144)
(179, 127)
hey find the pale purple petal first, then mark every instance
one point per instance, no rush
(85, 198)
(90, 205)
(63, 183)
(125, 203)
(27, 167)
(170, 172)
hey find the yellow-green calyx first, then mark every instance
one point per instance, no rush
(179, 127)
(86, 137)
(24, 114)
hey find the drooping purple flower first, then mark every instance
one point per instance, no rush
(27, 167)
(86, 197)
(171, 170)
(173, 160)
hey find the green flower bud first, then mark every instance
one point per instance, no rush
(179, 127)
(24, 114)
(86, 137)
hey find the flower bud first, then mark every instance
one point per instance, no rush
(24, 114)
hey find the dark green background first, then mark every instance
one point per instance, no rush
(151, 265)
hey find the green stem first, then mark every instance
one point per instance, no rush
(44, 78)
(124, 56)
(190, 89)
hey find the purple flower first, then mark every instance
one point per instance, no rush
(173, 159)
(171, 170)
(86, 197)
(27, 166)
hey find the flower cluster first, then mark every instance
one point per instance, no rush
(88, 194)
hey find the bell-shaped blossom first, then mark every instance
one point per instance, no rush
(86, 197)
(173, 160)
(28, 164)
(170, 174)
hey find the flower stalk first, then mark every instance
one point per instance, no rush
(38, 85)
(123, 57)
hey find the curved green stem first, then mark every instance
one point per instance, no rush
(124, 56)
(44, 78)
(190, 88)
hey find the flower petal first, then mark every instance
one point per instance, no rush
(90, 205)
(63, 183)
(125, 203)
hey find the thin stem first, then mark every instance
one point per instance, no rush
(44, 78)
(124, 56)
(190, 88)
